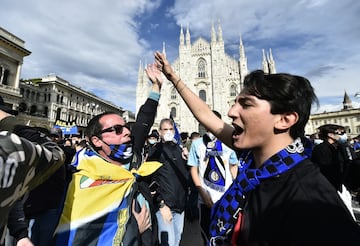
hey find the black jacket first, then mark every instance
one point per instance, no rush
(298, 207)
(332, 162)
(172, 177)
(16, 223)
(139, 131)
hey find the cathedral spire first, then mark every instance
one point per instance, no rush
(241, 48)
(265, 64)
(188, 43)
(181, 36)
(213, 33)
(220, 32)
(163, 50)
(242, 61)
(140, 68)
(272, 67)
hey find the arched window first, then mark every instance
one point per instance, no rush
(46, 111)
(27, 94)
(201, 69)
(233, 92)
(202, 95)
(37, 97)
(6, 77)
(32, 96)
(173, 112)
(173, 94)
(33, 110)
(22, 107)
(58, 114)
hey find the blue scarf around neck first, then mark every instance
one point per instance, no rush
(226, 211)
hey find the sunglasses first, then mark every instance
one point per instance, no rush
(118, 129)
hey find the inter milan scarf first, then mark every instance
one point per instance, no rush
(214, 175)
(226, 212)
(97, 205)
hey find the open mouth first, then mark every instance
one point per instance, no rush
(237, 130)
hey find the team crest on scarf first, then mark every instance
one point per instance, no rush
(214, 175)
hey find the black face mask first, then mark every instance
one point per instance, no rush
(121, 152)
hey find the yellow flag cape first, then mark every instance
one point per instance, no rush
(96, 191)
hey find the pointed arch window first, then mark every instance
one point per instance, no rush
(233, 90)
(173, 112)
(173, 94)
(201, 68)
(202, 95)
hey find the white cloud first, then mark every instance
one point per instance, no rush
(98, 45)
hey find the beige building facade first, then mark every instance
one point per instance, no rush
(42, 101)
(45, 100)
(208, 71)
(12, 53)
(347, 117)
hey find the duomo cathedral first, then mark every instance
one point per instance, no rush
(213, 75)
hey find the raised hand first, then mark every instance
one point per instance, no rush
(164, 65)
(154, 73)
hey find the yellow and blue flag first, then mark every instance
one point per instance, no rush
(97, 204)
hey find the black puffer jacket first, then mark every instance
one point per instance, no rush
(172, 177)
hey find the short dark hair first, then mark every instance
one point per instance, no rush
(194, 134)
(285, 93)
(94, 127)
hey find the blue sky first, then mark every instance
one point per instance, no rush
(98, 45)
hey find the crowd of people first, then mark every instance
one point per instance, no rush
(256, 181)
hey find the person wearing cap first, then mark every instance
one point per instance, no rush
(334, 157)
(28, 159)
(151, 140)
(106, 202)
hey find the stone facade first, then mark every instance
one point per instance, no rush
(348, 117)
(208, 71)
(12, 53)
(41, 101)
(44, 100)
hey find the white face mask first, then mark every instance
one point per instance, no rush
(342, 139)
(318, 141)
(168, 136)
(211, 136)
(152, 141)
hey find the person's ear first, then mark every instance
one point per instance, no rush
(96, 141)
(286, 121)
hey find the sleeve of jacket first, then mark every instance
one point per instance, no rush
(144, 121)
(16, 222)
(29, 164)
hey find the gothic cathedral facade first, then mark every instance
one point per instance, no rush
(208, 71)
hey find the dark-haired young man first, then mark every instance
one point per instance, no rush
(279, 196)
